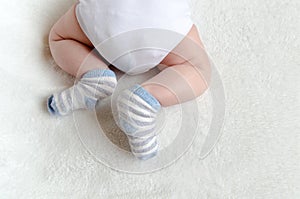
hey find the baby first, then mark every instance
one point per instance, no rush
(114, 27)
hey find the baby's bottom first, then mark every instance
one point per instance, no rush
(184, 72)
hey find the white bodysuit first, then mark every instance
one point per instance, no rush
(134, 35)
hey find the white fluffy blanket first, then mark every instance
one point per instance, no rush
(255, 45)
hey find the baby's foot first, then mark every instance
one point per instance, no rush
(137, 112)
(94, 85)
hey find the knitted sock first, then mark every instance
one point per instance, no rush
(137, 112)
(94, 85)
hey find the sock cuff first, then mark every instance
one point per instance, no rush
(99, 73)
(146, 96)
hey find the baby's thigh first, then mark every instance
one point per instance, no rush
(188, 49)
(67, 27)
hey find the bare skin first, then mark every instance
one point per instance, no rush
(182, 78)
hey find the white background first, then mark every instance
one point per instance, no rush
(255, 45)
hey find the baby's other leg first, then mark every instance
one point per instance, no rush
(72, 51)
(70, 47)
(185, 73)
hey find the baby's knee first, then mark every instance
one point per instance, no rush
(53, 36)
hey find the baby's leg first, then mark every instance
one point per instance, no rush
(182, 79)
(71, 50)
(185, 73)
(70, 46)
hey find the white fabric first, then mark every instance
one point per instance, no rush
(255, 45)
(104, 20)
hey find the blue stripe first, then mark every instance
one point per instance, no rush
(146, 157)
(111, 84)
(145, 134)
(145, 149)
(61, 102)
(143, 142)
(90, 103)
(138, 122)
(130, 108)
(126, 127)
(99, 73)
(68, 96)
(146, 96)
(93, 87)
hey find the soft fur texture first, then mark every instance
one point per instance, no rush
(255, 45)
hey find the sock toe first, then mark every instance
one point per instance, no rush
(94, 85)
(52, 106)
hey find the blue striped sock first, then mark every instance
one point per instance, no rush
(94, 85)
(137, 112)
